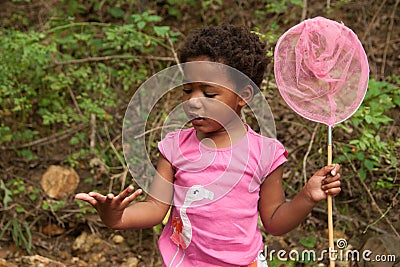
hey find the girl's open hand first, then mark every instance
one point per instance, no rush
(110, 207)
(325, 181)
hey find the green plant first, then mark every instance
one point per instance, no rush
(175, 7)
(278, 263)
(7, 197)
(14, 189)
(271, 30)
(55, 81)
(61, 77)
(278, 6)
(19, 231)
(85, 208)
(371, 147)
(308, 242)
(291, 261)
(53, 205)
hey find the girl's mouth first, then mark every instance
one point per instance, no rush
(193, 116)
(197, 121)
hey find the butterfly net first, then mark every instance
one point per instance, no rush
(321, 70)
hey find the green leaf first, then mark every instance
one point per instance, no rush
(369, 164)
(117, 12)
(151, 18)
(308, 242)
(7, 194)
(362, 173)
(396, 99)
(141, 24)
(19, 209)
(174, 12)
(74, 140)
(45, 205)
(32, 197)
(360, 155)
(161, 30)
(363, 146)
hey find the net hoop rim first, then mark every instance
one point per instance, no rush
(362, 56)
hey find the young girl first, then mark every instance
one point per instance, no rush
(219, 174)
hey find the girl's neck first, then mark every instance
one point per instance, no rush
(225, 137)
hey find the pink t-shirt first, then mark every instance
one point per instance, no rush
(214, 216)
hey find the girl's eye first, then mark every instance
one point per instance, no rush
(209, 95)
(187, 91)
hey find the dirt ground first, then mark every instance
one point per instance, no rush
(67, 237)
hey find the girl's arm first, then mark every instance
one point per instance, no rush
(116, 212)
(280, 217)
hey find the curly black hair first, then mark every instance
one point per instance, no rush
(232, 45)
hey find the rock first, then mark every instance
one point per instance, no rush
(131, 262)
(342, 260)
(4, 263)
(337, 234)
(52, 230)
(85, 242)
(381, 247)
(96, 259)
(39, 261)
(118, 239)
(78, 262)
(59, 181)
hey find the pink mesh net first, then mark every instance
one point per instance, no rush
(321, 70)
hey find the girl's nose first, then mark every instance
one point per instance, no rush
(194, 102)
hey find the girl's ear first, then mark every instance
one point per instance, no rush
(246, 95)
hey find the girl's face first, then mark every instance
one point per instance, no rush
(209, 98)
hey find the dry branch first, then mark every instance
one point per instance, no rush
(48, 140)
(106, 58)
(373, 202)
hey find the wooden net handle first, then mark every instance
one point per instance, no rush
(329, 200)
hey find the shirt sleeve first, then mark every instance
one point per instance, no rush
(279, 157)
(165, 146)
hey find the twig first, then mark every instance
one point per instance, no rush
(48, 7)
(155, 129)
(175, 54)
(99, 12)
(388, 36)
(92, 131)
(383, 215)
(122, 176)
(112, 142)
(154, 248)
(50, 139)
(121, 160)
(373, 19)
(304, 11)
(350, 219)
(75, 102)
(373, 202)
(173, 49)
(308, 152)
(105, 58)
(60, 222)
(300, 124)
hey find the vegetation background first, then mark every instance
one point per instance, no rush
(68, 69)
